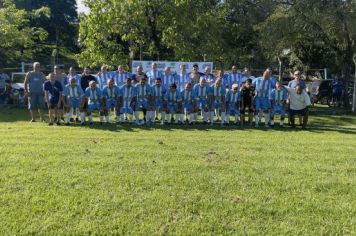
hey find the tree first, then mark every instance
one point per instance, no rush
(16, 36)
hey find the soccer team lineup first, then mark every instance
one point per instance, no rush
(164, 97)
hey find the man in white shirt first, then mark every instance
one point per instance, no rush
(299, 105)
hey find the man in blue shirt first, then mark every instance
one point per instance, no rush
(111, 94)
(337, 91)
(53, 97)
(263, 86)
(278, 99)
(201, 93)
(188, 100)
(72, 95)
(127, 100)
(153, 74)
(158, 92)
(93, 95)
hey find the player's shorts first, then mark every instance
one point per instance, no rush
(232, 109)
(202, 103)
(141, 104)
(36, 101)
(158, 103)
(278, 109)
(111, 103)
(126, 108)
(53, 104)
(262, 103)
(74, 102)
(188, 106)
(217, 104)
(301, 112)
(93, 106)
(172, 107)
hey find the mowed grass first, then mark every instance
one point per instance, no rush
(180, 181)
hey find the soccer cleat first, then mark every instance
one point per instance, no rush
(67, 124)
(33, 120)
(90, 123)
(50, 123)
(76, 119)
(71, 120)
(58, 123)
(101, 123)
(82, 124)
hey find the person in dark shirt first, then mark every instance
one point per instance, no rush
(86, 78)
(136, 78)
(336, 91)
(53, 97)
(247, 95)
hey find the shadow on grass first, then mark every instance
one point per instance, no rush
(317, 124)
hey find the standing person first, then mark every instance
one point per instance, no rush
(218, 93)
(183, 76)
(153, 74)
(127, 100)
(188, 100)
(159, 92)
(293, 84)
(263, 87)
(120, 76)
(53, 96)
(234, 77)
(103, 76)
(299, 105)
(33, 84)
(209, 77)
(336, 91)
(297, 80)
(194, 76)
(225, 82)
(168, 78)
(143, 92)
(86, 78)
(246, 103)
(72, 95)
(233, 98)
(62, 78)
(93, 95)
(202, 91)
(278, 99)
(3, 79)
(110, 94)
(73, 74)
(138, 75)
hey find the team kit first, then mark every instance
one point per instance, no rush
(161, 97)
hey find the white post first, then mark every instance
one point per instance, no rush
(23, 67)
(325, 73)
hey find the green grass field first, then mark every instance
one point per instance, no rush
(180, 181)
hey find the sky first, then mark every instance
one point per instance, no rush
(81, 7)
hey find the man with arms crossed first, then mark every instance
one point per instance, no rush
(34, 91)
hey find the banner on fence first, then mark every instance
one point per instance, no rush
(174, 65)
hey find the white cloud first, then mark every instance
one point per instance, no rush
(81, 7)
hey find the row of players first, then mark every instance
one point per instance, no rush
(261, 97)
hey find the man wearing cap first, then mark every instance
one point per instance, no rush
(93, 94)
(53, 97)
(72, 95)
(33, 84)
